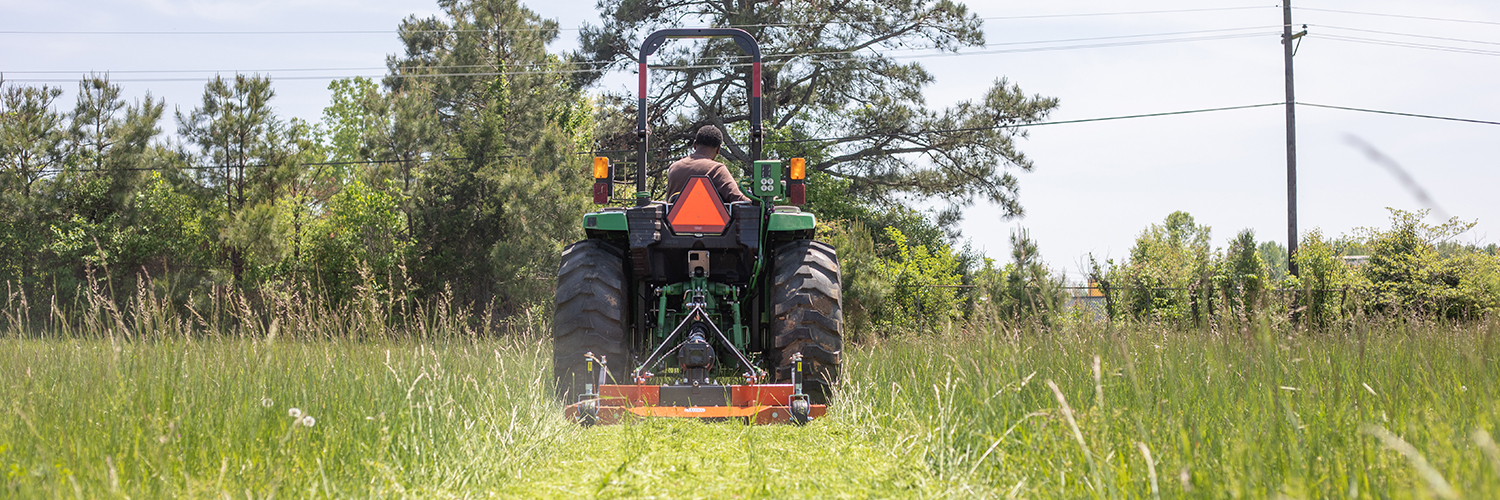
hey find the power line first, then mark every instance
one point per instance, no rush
(1471, 21)
(1128, 13)
(606, 63)
(309, 32)
(1415, 115)
(1038, 124)
(1409, 45)
(231, 71)
(824, 139)
(1016, 17)
(794, 141)
(1465, 40)
(1090, 46)
(791, 58)
(385, 32)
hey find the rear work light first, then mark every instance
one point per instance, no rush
(603, 182)
(796, 188)
(699, 209)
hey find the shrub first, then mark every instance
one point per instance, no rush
(923, 284)
(1324, 280)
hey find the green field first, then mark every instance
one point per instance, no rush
(1388, 412)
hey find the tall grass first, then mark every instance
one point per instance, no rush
(147, 400)
(1397, 411)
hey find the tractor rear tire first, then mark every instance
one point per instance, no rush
(807, 316)
(590, 316)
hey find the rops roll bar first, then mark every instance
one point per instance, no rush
(653, 42)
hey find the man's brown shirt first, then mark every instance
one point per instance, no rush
(718, 174)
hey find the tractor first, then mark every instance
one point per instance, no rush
(694, 308)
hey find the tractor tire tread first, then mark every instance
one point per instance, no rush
(590, 314)
(807, 315)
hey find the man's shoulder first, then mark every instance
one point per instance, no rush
(700, 166)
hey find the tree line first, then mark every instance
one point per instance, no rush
(463, 172)
(461, 175)
(463, 185)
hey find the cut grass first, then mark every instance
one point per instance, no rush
(954, 415)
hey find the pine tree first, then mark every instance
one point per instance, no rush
(245, 155)
(489, 218)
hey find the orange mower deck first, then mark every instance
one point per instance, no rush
(757, 404)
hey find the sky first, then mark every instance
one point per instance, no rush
(1095, 185)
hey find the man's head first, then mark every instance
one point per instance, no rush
(708, 139)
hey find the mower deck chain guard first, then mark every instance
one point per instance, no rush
(756, 404)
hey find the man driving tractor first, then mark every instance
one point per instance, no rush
(706, 145)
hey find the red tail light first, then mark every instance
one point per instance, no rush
(699, 209)
(796, 193)
(601, 192)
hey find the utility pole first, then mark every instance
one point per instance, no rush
(1291, 137)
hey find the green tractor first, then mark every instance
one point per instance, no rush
(695, 308)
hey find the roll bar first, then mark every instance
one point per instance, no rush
(649, 46)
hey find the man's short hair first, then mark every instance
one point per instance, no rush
(708, 135)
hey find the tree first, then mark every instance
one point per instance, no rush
(923, 284)
(393, 130)
(1028, 289)
(1273, 254)
(247, 156)
(1168, 274)
(1324, 279)
(31, 135)
(109, 150)
(1407, 275)
(106, 143)
(831, 70)
(1242, 274)
(31, 148)
(490, 216)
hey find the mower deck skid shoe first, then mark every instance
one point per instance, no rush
(754, 404)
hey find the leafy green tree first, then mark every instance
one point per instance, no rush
(1168, 274)
(109, 153)
(1407, 275)
(865, 287)
(1241, 277)
(491, 218)
(362, 229)
(107, 141)
(1273, 254)
(31, 137)
(393, 131)
(831, 70)
(829, 197)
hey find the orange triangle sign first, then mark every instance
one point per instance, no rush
(698, 209)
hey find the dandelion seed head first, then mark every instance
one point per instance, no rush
(294, 413)
(309, 421)
(266, 402)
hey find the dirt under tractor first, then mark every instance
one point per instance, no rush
(694, 308)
